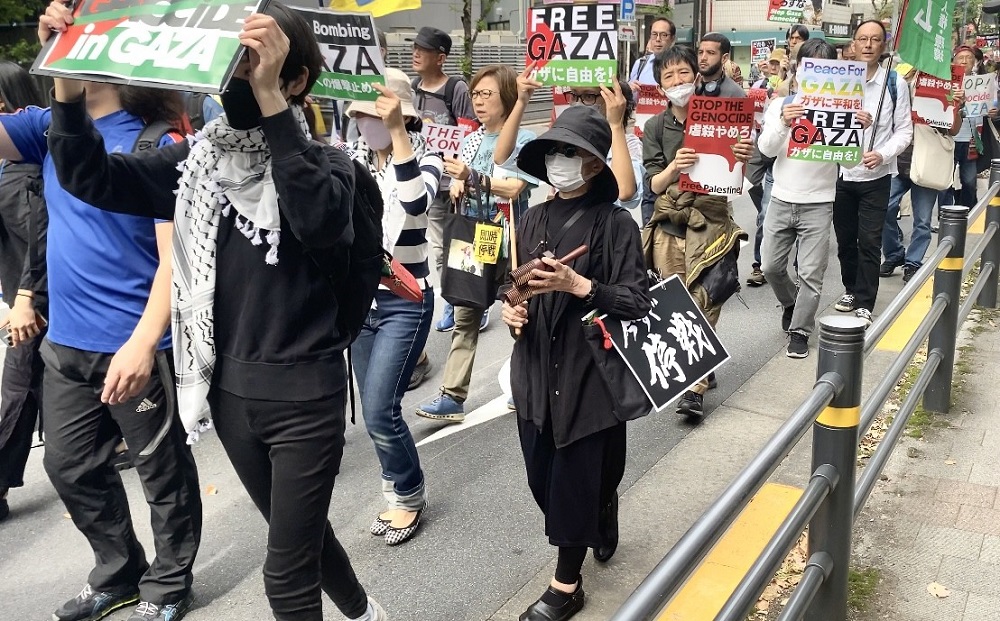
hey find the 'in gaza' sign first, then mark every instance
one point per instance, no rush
(351, 54)
(573, 45)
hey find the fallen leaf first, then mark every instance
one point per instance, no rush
(211, 490)
(938, 590)
(950, 462)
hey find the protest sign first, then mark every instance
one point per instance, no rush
(651, 102)
(980, 93)
(932, 103)
(832, 92)
(180, 44)
(760, 49)
(759, 98)
(925, 36)
(792, 12)
(714, 125)
(573, 45)
(445, 139)
(670, 349)
(351, 55)
(559, 101)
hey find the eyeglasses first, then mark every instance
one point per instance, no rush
(866, 40)
(563, 149)
(587, 99)
(661, 35)
(481, 94)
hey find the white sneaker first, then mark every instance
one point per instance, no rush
(845, 304)
(865, 314)
(375, 612)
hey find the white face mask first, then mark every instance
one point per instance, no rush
(680, 95)
(565, 173)
(374, 132)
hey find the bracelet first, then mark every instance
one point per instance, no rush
(26, 295)
(593, 292)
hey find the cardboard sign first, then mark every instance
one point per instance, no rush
(445, 139)
(760, 49)
(932, 103)
(651, 102)
(714, 125)
(832, 92)
(351, 54)
(573, 45)
(759, 98)
(179, 44)
(670, 349)
(980, 93)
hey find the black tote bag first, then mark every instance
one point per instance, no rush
(464, 280)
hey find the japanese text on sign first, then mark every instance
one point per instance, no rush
(760, 49)
(350, 51)
(651, 102)
(486, 247)
(832, 91)
(573, 45)
(714, 125)
(932, 100)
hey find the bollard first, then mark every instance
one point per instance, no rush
(991, 253)
(835, 442)
(954, 221)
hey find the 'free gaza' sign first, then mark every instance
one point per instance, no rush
(573, 45)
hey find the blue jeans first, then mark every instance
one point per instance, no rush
(967, 176)
(767, 184)
(384, 357)
(920, 239)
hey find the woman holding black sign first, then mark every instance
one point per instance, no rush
(572, 438)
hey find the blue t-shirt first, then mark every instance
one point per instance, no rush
(100, 264)
(482, 163)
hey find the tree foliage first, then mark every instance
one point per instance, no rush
(20, 11)
(472, 29)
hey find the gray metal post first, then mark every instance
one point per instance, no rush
(835, 442)
(991, 254)
(954, 221)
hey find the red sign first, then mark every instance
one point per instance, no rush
(759, 98)
(714, 125)
(932, 102)
(651, 101)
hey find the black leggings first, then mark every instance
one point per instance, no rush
(287, 454)
(569, 564)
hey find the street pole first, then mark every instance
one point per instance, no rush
(696, 12)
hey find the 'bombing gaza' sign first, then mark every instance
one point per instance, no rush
(183, 44)
(574, 45)
(350, 51)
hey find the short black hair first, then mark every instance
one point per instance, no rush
(629, 98)
(675, 55)
(303, 50)
(664, 18)
(799, 29)
(816, 48)
(17, 88)
(885, 33)
(725, 46)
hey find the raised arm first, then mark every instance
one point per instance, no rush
(507, 140)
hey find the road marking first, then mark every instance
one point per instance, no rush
(484, 414)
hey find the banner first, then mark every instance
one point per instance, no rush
(670, 349)
(573, 45)
(759, 98)
(760, 49)
(832, 92)
(352, 60)
(932, 103)
(808, 12)
(445, 139)
(714, 125)
(377, 8)
(180, 44)
(925, 36)
(651, 101)
(980, 93)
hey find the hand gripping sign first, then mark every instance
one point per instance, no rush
(714, 125)
(573, 45)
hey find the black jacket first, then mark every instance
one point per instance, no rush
(275, 325)
(23, 225)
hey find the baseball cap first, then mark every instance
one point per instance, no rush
(433, 39)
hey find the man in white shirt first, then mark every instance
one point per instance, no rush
(662, 34)
(863, 191)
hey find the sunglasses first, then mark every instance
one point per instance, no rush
(587, 99)
(567, 150)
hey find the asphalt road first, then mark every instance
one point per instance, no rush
(482, 538)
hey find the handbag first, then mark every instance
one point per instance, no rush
(399, 281)
(471, 254)
(930, 148)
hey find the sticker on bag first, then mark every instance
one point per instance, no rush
(460, 257)
(487, 243)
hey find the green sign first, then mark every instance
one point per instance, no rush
(351, 53)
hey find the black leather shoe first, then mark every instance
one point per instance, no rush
(540, 611)
(607, 526)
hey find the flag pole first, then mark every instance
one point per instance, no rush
(897, 30)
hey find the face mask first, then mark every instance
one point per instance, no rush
(680, 95)
(242, 109)
(374, 132)
(565, 173)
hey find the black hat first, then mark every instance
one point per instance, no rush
(433, 39)
(583, 127)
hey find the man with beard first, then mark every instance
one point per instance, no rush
(714, 52)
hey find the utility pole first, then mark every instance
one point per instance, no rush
(699, 21)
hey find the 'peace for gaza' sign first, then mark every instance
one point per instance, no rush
(573, 45)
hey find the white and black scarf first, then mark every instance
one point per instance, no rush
(226, 169)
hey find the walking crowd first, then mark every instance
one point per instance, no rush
(162, 284)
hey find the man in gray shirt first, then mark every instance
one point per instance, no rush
(714, 51)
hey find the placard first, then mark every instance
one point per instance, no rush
(714, 125)
(786, 11)
(670, 349)
(759, 98)
(178, 44)
(932, 103)
(651, 101)
(980, 93)
(445, 139)
(832, 92)
(760, 49)
(351, 54)
(573, 45)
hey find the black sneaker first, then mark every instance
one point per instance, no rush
(909, 271)
(713, 383)
(4, 509)
(420, 372)
(798, 345)
(91, 605)
(786, 318)
(888, 268)
(691, 404)
(147, 611)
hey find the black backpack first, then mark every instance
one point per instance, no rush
(151, 135)
(196, 110)
(448, 97)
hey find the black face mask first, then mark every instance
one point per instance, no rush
(242, 109)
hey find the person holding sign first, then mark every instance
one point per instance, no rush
(263, 219)
(967, 141)
(572, 441)
(392, 339)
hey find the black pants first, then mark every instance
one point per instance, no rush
(287, 454)
(81, 434)
(572, 483)
(858, 217)
(20, 404)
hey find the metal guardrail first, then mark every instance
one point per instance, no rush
(834, 410)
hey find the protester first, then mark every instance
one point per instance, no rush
(796, 35)
(798, 215)
(705, 258)
(494, 93)
(714, 52)
(662, 35)
(386, 352)
(201, 109)
(777, 65)
(273, 379)
(573, 444)
(763, 75)
(23, 224)
(863, 191)
(966, 140)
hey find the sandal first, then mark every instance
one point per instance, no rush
(395, 536)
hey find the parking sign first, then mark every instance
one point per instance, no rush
(628, 11)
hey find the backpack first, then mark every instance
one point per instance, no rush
(152, 134)
(196, 110)
(448, 97)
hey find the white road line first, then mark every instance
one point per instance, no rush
(486, 413)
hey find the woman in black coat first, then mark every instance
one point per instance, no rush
(572, 438)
